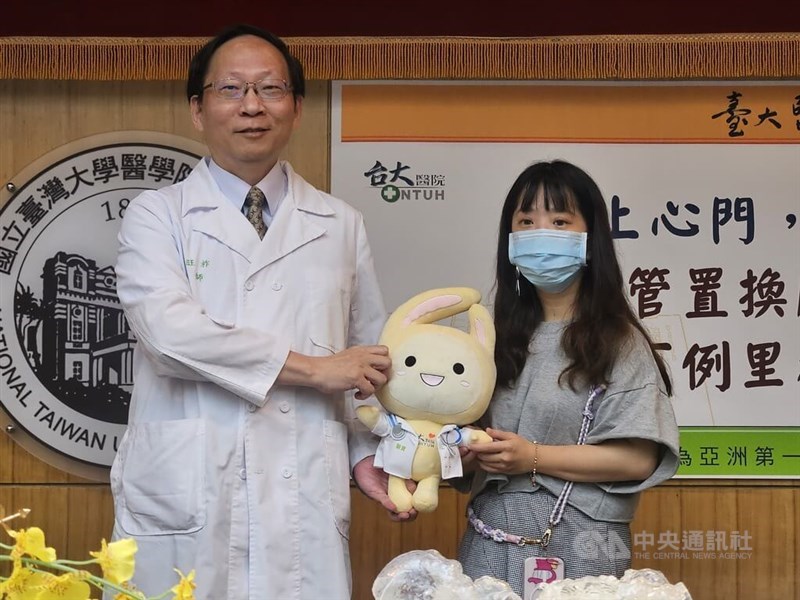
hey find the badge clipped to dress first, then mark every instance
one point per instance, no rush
(541, 570)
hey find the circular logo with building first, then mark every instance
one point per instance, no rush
(66, 351)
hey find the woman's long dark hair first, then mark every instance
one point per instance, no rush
(603, 320)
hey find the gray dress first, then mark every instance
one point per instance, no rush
(593, 536)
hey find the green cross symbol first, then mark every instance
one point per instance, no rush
(390, 193)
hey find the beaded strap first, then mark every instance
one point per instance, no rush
(498, 535)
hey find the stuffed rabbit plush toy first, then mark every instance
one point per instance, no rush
(441, 378)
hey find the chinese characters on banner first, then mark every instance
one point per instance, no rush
(702, 184)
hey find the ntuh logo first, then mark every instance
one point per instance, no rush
(400, 182)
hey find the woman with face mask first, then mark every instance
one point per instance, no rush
(581, 419)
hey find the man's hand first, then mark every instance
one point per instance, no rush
(363, 368)
(374, 483)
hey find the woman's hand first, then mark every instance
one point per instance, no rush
(469, 460)
(507, 453)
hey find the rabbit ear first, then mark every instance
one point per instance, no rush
(481, 327)
(432, 306)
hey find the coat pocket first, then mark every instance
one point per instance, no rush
(328, 315)
(337, 467)
(158, 487)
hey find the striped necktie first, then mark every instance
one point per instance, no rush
(254, 202)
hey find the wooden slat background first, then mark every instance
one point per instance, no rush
(38, 116)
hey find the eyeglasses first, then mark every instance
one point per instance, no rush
(236, 89)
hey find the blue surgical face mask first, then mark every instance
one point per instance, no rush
(551, 260)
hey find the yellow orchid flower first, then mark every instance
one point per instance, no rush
(185, 588)
(69, 586)
(22, 584)
(32, 576)
(116, 560)
(31, 542)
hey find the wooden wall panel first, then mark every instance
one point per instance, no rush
(36, 117)
(768, 513)
(19, 466)
(698, 514)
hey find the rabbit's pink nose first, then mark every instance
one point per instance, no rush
(431, 380)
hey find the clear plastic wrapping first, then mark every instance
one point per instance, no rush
(427, 575)
(644, 584)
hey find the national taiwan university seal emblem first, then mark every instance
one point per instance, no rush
(66, 351)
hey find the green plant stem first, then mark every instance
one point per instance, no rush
(92, 561)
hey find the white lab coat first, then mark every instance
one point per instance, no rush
(221, 470)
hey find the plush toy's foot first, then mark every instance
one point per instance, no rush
(399, 494)
(426, 503)
(426, 496)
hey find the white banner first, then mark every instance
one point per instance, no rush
(706, 230)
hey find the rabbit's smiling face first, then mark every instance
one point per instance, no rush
(439, 374)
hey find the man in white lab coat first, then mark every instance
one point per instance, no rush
(237, 457)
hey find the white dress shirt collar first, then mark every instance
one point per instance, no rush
(274, 185)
